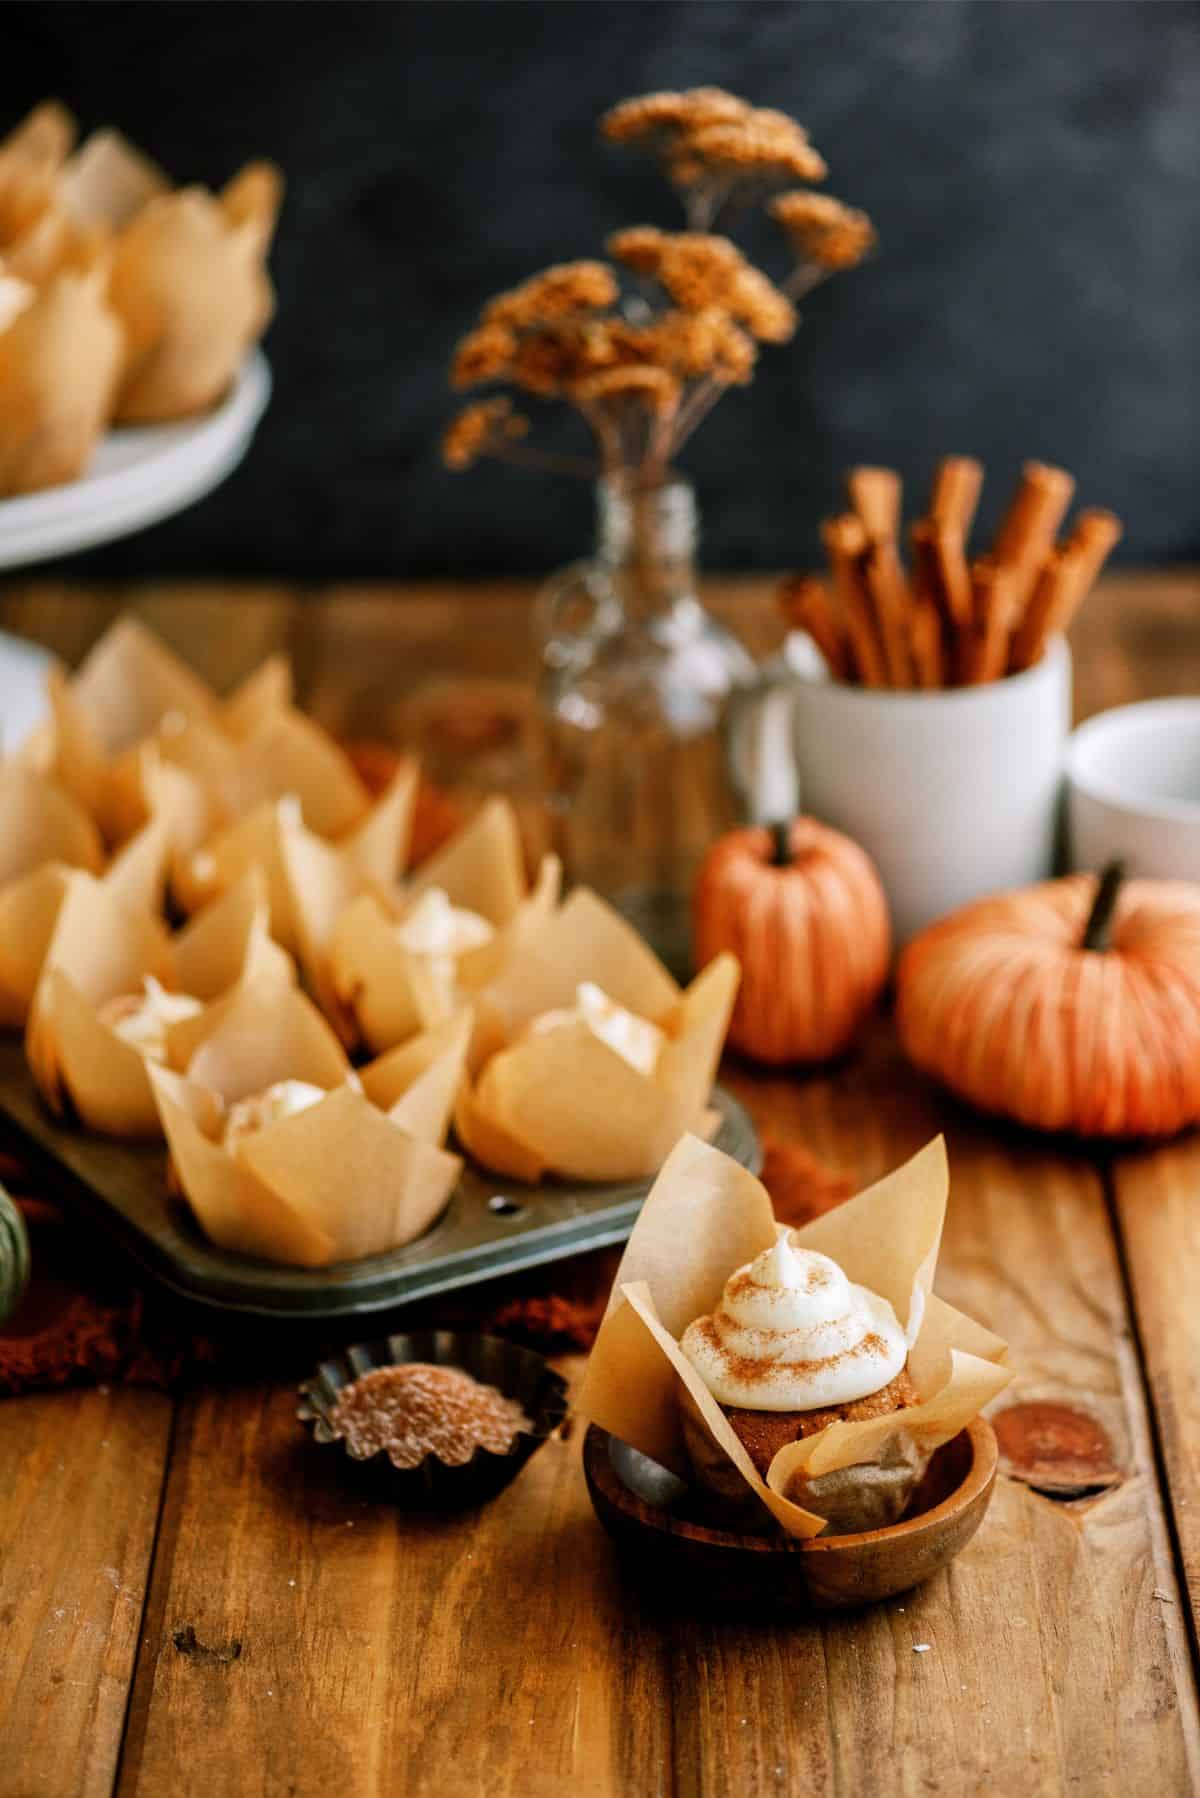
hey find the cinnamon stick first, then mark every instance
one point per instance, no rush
(956, 488)
(807, 607)
(953, 577)
(1096, 534)
(925, 642)
(875, 495)
(1050, 592)
(1063, 583)
(926, 584)
(997, 611)
(845, 540)
(886, 586)
(1031, 524)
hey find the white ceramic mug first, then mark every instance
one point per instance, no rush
(954, 794)
(1133, 789)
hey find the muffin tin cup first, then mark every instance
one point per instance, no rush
(437, 1485)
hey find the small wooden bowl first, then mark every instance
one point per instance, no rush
(644, 1509)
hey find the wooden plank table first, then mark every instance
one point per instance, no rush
(187, 1604)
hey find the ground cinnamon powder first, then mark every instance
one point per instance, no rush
(420, 1409)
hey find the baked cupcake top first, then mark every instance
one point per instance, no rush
(792, 1333)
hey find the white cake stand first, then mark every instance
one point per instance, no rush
(139, 475)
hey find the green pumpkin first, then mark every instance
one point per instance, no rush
(14, 1256)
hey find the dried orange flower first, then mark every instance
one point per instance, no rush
(556, 293)
(695, 107)
(600, 342)
(480, 429)
(734, 355)
(822, 230)
(654, 386)
(646, 371)
(686, 342)
(485, 354)
(639, 247)
(698, 271)
(695, 344)
(764, 144)
(543, 364)
(759, 305)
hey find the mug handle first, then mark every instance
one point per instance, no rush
(760, 751)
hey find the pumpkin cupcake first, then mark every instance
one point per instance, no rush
(802, 1377)
(792, 1347)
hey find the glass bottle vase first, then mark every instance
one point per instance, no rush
(635, 676)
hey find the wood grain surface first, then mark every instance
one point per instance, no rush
(80, 1479)
(1158, 1209)
(299, 1637)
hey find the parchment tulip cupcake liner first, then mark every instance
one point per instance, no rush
(518, 1373)
(122, 298)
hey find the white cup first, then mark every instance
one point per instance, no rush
(954, 794)
(1133, 789)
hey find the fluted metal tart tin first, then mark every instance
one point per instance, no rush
(518, 1373)
(490, 1226)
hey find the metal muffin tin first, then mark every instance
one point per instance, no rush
(490, 1227)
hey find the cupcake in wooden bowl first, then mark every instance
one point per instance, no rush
(757, 1391)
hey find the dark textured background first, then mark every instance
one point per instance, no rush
(1032, 166)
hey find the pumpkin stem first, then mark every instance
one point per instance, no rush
(1098, 929)
(781, 843)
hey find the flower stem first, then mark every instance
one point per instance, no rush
(803, 278)
(542, 459)
(695, 409)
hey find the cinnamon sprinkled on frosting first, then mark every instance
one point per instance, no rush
(792, 1333)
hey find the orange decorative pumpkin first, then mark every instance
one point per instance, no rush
(1073, 1005)
(802, 908)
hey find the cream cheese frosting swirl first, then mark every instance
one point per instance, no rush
(439, 932)
(636, 1040)
(792, 1333)
(143, 1019)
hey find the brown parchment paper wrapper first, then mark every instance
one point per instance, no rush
(30, 904)
(381, 992)
(129, 681)
(60, 358)
(40, 822)
(289, 754)
(107, 181)
(36, 234)
(324, 879)
(190, 286)
(705, 1217)
(100, 949)
(343, 1179)
(31, 158)
(298, 865)
(252, 842)
(134, 708)
(563, 1101)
